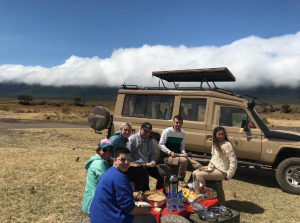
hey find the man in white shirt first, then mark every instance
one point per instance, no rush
(172, 142)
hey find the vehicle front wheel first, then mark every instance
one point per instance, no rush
(288, 175)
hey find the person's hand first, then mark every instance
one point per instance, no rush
(185, 154)
(153, 164)
(173, 155)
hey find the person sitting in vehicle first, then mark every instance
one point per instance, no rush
(120, 138)
(223, 163)
(172, 142)
(96, 166)
(142, 150)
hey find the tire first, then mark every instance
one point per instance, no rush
(159, 153)
(99, 118)
(288, 175)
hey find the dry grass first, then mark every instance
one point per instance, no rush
(45, 159)
(41, 182)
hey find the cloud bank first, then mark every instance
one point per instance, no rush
(254, 61)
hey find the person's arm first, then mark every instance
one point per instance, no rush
(153, 154)
(182, 145)
(163, 141)
(98, 169)
(130, 146)
(140, 211)
(232, 161)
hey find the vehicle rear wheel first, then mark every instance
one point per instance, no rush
(159, 153)
(288, 175)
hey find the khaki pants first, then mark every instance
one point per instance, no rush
(216, 175)
(183, 163)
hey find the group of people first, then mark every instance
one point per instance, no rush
(108, 194)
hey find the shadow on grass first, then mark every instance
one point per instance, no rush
(244, 206)
(262, 177)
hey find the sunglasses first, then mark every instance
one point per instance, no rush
(124, 159)
(109, 150)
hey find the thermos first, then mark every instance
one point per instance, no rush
(174, 184)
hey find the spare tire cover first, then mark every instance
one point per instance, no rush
(99, 118)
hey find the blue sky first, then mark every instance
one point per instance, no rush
(48, 33)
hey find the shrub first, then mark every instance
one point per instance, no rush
(285, 108)
(265, 120)
(65, 110)
(24, 99)
(78, 102)
(4, 108)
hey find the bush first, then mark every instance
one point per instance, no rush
(65, 110)
(4, 108)
(285, 108)
(78, 102)
(265, 120)
(24, 99)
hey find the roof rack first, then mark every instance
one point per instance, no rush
(221, 74)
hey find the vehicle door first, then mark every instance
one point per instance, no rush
(193, 109)
(247, 143)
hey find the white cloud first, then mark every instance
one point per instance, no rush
(253, 61)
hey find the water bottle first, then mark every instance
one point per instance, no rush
(169, 203)
(174, 201)
(180, 201)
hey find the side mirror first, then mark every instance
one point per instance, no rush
(244, 125)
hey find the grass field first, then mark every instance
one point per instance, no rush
(41, 182)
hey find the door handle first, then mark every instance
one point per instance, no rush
(250, 137)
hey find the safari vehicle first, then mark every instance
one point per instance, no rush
(202, 111)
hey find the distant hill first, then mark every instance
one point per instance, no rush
(269, 94)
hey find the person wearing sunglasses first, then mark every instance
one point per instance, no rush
(96, 167)
(120, 138)
(113, 200)
(143, 150)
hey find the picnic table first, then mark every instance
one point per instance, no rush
(189, 213)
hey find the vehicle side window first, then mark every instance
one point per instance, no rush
(140, 106)
(148, 106)
(233, 116)
(193, 109)
(128, 107)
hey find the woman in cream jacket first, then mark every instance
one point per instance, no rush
(223, 161)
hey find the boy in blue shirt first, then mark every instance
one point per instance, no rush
(113, 200)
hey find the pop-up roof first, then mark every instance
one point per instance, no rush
(221, 74)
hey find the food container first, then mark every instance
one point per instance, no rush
(156, 199)
(209, 193)
(143, 204)
(181, 185)
(138, 195)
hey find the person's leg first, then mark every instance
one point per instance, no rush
(145, 174)
(193, 164)
(135, 174)
(158, 174)
(181, 162)
(216, 175)
(144, 219)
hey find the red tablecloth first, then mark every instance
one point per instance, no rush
(186, 209)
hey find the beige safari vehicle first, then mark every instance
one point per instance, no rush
(202, 111)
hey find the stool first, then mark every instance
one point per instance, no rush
(218, 187)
